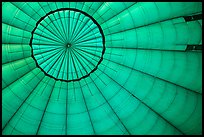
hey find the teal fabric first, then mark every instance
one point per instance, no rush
(67, 45)
(146, 84)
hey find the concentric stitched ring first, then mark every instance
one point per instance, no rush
(67, 44)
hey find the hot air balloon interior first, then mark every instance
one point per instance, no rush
(102, 68)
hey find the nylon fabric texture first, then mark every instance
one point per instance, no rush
(104, 68)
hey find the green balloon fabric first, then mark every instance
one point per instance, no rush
(67, 45)
(104, 68)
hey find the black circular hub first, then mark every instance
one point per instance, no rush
(67, 44)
